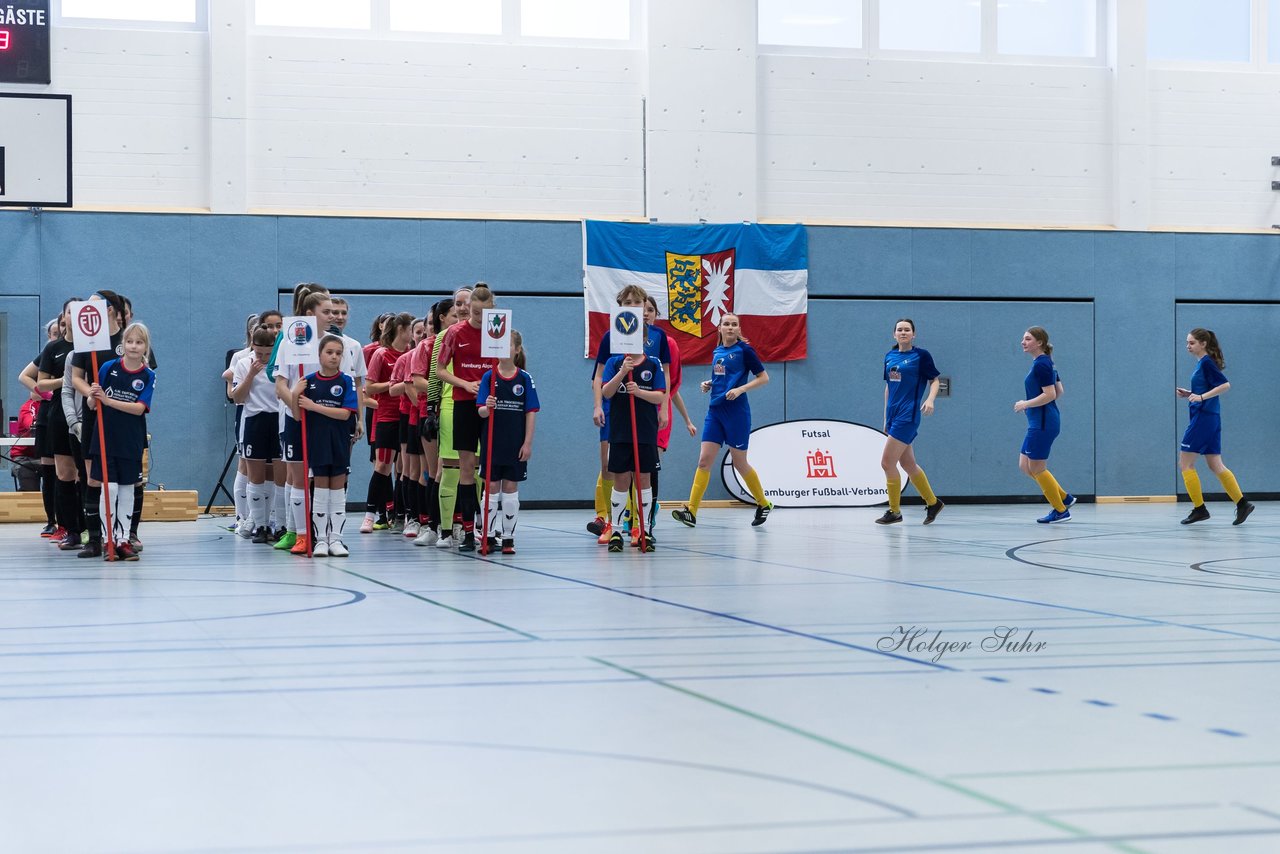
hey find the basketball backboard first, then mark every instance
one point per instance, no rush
(35, 150)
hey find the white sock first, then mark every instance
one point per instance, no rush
(240, 494)
(122, 516)
(258, 505)
(105, 500)
(618, 503)
(320, 513)
(337, 513)
(510, 510)
(496, 500)
(646, 498)
(275, 501)
(298, 500)
(284, 503)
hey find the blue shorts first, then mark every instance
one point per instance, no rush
(1204, 435)
(728, 426)
(904, 431)
(125, 471)
(291, 440)
(1039, 441)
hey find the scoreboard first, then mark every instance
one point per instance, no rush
(24, 41)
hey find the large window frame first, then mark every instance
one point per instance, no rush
(380, 28)
(200, 25)
(987, 52)
(1259, 15)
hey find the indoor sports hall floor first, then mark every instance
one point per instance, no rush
(732, 692)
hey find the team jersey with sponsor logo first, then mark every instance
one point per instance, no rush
(517, 396)
(380, 368)
(649, 377)
(907, 374)
(730, 367)
(462, 348)
(126, 434)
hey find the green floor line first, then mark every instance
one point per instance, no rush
(1131, 769)
(459, 611)
(870, 757)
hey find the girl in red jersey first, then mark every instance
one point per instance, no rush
(442, 315)
(410, 448)
(386, 420)
(461, 366)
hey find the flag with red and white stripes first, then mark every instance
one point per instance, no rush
(697, 274)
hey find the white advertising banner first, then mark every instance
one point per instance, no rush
(816, 463)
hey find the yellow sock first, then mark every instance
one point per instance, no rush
(1052, 492)
(1192, 480)
(753, 484)
(603, 488)
(700, 480)
(1229, 483)
(921, 483)
(895, 495)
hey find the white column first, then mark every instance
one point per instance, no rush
(702, 150)
(229, 96)
(1130, 116)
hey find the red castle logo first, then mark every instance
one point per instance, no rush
(820, 464)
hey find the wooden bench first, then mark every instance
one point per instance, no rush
(162, 505)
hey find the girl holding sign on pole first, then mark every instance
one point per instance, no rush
(633, 435)
(510, 408)
(329, 397)
(728, 419)
(122, 396)
(85, 365)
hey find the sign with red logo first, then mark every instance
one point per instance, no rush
(495, 343)
(817, 463)
(89, 330)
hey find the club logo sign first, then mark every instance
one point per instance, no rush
(89, 320)
(497, 325)
(300, 333)
(817, 463)
(627, 323)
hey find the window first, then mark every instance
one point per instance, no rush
(478, 17)
(163, 11)
(325, 14)
(1047, 27)
(1273, 31)
(576, 19)
(811, 23)
(1198, 31)
(948, 26)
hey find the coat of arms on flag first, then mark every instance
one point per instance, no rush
(697, 274)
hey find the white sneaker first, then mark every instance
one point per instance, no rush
(245, 528)
(321, 549)
(426, 537)
(338, 549)
(457, 532)
(412, 528)
(366, 527)
(445, 542)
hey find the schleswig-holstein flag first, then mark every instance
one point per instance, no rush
(697, 273)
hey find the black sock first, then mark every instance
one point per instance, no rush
(92, 521)
(373, 500)
(48, 477)
(467, 505)
(139, 493)
(409, 495)
(433, 504)
(67, 506)
(652, 509)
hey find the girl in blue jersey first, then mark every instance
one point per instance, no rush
(1043, 388)
(123, 391)
(329, 398)
(1204, 434)
(908, 370)
(728, 419)
(513, 404)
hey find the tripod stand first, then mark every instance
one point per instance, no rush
(220, 485)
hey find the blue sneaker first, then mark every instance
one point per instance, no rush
(1069, 500)
(1055, 516)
